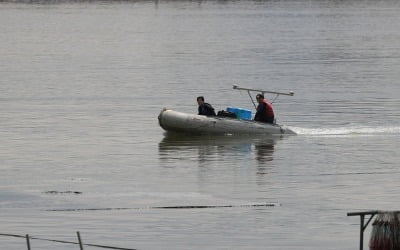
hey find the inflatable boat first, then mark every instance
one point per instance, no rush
(178, 122)
(239, 123)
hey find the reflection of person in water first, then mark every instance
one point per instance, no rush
(264, 152)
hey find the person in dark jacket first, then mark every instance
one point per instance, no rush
(205, 108)
(264, 113)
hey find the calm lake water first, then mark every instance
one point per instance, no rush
(82, 84)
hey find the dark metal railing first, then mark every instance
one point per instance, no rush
(80, 242)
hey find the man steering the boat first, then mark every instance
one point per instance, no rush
(264, 113)
(205, 108)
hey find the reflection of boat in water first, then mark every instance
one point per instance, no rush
(172, 139)
(217, 147)
(179, 122)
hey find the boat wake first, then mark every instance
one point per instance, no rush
(348, 131)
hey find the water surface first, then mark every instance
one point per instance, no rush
(82, 84)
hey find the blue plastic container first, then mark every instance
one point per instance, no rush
(240, 113)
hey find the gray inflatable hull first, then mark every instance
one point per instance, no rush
(179, 122)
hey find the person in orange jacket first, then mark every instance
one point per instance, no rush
(264, 113)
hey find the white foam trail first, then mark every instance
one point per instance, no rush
(344, 131)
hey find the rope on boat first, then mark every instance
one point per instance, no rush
(276, 97)
(251, 98)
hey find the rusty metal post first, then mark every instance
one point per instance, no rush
(80, 240)
(28, 242)
(362, 231)
(362, 225)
